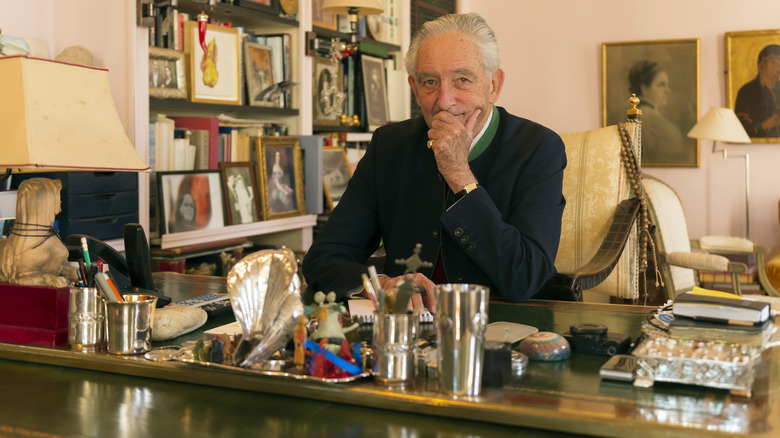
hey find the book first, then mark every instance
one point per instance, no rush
(200, 139)
(754, 335)
(719, 306)
(211, 124)
(164, 132)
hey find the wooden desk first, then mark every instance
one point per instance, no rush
(65, 393)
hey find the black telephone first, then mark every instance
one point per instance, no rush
(131, 274)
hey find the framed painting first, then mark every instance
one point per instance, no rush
(752, 86)
(270, 6)
(375, 88)
(190, 200)
(167, 74)
(214, 64)
(281, 174)
(242, 204)
(322, 19)
(336, 173)
(664, 75)
(328, 94)
(258, 72)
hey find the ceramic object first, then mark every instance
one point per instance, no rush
(545, 347)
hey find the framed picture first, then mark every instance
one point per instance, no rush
(270, 6)
(753, 59)
(375, 88)
(213, 72)
(190, 200)
(258, 72)
(322, 19)
(281, 177)
(167, 76)
(336, 173)
(664, 75)
(328, 94)
(242, 204)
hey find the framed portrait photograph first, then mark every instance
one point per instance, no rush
(190, 200)
(258, 72)
(664, 75)
(322, 19)
(167, 76)
(752, 85)
(270, 6)
(242, 203)
(281, 177)
(375, 88)
(328, 93)
(213, 72)
(336, 173)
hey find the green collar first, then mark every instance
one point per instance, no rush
(487, 137)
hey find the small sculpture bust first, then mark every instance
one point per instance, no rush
(33, 254)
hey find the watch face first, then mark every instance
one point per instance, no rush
(289, 7)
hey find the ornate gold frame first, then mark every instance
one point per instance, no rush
(292, 148)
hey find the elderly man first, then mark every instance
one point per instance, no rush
(479, 188)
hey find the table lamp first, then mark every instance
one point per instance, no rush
(721, 124)
(54, 117)
(352, 8)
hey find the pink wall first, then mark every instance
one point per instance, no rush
(551, 52)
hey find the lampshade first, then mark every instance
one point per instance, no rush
(720, 124)
(58, 117)
(364, 7)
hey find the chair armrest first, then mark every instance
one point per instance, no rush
(763, 277)
(725, 243)
(701, 261)
(569, 286)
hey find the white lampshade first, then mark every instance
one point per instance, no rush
(58, 117)
(720, 124)
(364, 7)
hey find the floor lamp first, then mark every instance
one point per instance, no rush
(721, 124)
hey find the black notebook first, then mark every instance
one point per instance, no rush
(718, 308)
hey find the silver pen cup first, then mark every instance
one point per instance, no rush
(130, 324)
(461, 321)
(395, 347)
(86, 319)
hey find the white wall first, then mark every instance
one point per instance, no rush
(551, 52)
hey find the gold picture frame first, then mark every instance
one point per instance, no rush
(745, 52)
(280, 177)
(167, 74)
(668, 72)
(258, 67)
(322, 19)
(336, 174)
(328, 95)
(215, 77)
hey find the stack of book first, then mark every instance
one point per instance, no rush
(716, 316)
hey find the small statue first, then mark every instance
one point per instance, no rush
(33, 254)
(299, 338)
(329, 321)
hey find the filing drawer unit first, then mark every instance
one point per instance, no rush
(98, 204)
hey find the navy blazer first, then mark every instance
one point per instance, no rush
(503, 235)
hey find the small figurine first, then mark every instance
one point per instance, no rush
(299, 338)
(329, 318)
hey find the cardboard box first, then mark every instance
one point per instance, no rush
(34, 315)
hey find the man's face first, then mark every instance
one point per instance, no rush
(450, 77)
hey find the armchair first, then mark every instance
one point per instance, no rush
(677, 263)
(598, 249)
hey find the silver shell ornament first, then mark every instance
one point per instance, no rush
(264, 291)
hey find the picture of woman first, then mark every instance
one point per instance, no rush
(281, 195)
(169, 81)
(192, 201)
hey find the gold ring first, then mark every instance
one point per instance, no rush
(430, 144)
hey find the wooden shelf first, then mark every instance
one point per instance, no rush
(174, 240)
(237, 14)
(184, 107)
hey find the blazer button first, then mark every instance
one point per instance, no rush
(436, 234)
(472, 247)
(464, 240)
(458, 232)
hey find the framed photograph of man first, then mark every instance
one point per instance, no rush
(664, 75)
(190, 200)
(258, 72)
(328, 93)
(281, 173)
(167, 76)
(335, 173)
(242, 204)
(752, 84)
(213, 72)
(375, 87)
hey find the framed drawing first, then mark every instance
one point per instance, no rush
(242, 204)
(335, 173)
(270, 6)
(322, 19)
(664, 75)
(190, 200)
(258, 72)
(281, 177)
(375, 88)
(213, 65)
(328, 95)
(752, 86)
(167, 74)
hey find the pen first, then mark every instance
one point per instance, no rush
(107, 286)
(85, 250)
(369, 289)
